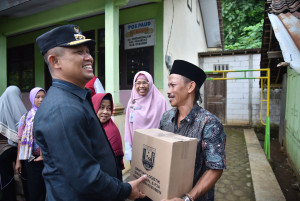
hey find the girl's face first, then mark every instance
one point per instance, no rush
(142, 86)
(39, 98)
(105, 111)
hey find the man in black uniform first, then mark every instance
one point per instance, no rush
(79, 162)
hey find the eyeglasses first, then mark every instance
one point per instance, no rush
(142, 83)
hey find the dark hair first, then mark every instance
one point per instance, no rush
(197, 90)
(55, 51)
(107, 97)
(46, 59)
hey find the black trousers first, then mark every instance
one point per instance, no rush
(7, 173)
(7, 159)
(24, 181)
(35, 182)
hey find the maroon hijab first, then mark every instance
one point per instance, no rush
(111, 130)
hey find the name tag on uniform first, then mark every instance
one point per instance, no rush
(131, 117)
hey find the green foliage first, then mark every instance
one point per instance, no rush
(243, 23)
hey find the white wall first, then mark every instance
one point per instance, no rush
(243, 95)
(275, 102)
(187, 36)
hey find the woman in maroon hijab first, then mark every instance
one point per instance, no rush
(103, 106)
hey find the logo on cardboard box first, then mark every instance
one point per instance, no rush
(148, 157)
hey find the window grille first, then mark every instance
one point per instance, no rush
(221, 67)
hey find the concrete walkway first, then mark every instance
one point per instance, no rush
(265, 183)
(236, 182)
(249, 175)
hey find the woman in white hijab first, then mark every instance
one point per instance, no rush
(11, 110)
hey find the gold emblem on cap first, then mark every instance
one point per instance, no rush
(79, 37)
(76, 29)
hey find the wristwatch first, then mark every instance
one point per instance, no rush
(186, 198)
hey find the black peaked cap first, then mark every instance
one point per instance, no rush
(62, 36)
(189, 70)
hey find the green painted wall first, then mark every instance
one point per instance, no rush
(58, 16)
(112, 64)
(292, 116)
(3, 69)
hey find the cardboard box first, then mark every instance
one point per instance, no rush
(168, 160)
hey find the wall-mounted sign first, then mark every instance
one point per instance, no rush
(139, 34)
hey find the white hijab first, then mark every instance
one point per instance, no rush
(11, 110)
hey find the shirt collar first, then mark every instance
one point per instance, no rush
(189, 118)
(72, 88)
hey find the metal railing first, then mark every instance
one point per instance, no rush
(262, 100)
